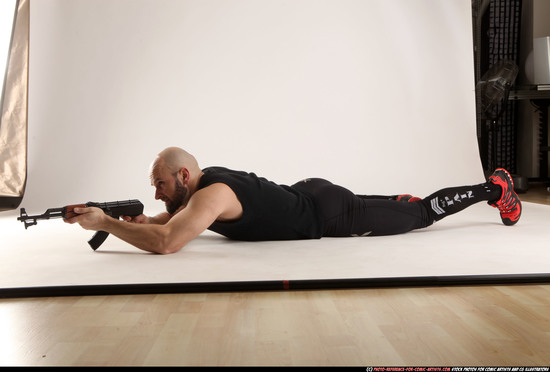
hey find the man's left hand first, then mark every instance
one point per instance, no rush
(90, 218)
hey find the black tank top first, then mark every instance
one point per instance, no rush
(270, 211)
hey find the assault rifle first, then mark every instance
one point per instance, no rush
(114, 209)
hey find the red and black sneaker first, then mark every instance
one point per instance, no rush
(509, 203)
(407, 198)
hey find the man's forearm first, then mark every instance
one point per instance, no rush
(160, 219)
(148, 237)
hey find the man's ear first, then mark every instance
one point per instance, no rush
(184, 175)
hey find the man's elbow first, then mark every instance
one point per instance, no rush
(163, 241)
(168, 251)
(170, 240)
(168, 248)
(168, 244)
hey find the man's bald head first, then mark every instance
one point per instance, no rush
(174, 159)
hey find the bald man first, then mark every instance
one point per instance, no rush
(243, 206)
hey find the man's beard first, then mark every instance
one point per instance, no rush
(179, 198)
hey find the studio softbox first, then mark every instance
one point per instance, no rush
(13, 108)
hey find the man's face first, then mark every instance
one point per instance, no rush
(178, 198)
(169, 189)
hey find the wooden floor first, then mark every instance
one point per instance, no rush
(440, 326)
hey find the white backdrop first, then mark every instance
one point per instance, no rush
(376, 95)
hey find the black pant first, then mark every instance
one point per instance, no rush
(347, 214)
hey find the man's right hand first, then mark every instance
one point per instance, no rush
(159, 219)
(137, 219)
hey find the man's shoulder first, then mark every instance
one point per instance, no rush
(214, 169)
(220, 174)
(218, 198)
(221, 170)
(213, 189)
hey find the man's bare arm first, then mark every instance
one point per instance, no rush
(204, 207)
(159, 219)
